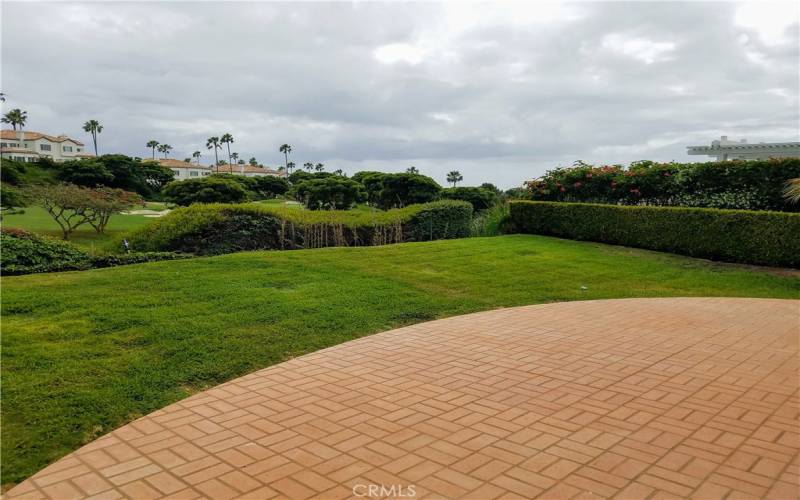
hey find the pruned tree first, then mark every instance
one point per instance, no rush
(107, 202)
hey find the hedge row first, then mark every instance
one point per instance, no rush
(747, 237)
(26, 253)
(223, 228)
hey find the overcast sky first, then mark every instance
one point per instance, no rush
(501, 92)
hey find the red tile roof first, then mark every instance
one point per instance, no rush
(30, 135)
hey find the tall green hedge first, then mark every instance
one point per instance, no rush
(223, 228)
(748, 237)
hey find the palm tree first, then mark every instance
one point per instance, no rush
(319, 167)
(412, 170)
(196, 155)
(213, 142)
(227, 139)
(16, 118)
(2, 97)
(289, 167)
(792, 191)
(94, 128)
(153, 145)
(285, 149)
(338, 172)
(164, 148)
(454, 177)
(308, 166)
(252, 161)
(234, 157)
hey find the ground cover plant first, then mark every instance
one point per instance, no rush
(743, 236)
(84, 352)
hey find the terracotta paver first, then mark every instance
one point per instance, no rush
(640, 398)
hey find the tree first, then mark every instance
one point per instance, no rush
(480, 198)
(412, 170)
(16, 118)
(319, 167)
(235, 158)
(165, 148)
(400, 190)
(211, 189)
(88, 173)
(268, 186)
(213, 142)
(196, 155)
(455, 177)
(153, 145)
(289, 167)
(252, 161)
(491, 187)
(110, 201)
(94, 128)
(285, 149)
(329, 193)
(227, 139)
(339, 172)
(308, 166)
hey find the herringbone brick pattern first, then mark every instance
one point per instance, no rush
(647, 398)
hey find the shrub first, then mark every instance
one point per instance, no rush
(748, 237)
(400, 190)
(216, 229)
(24, 253)
(751, 185)
(491, 222)
(117, 171)
(329, 193)
(134, 258)
(480, 198)
(211, 189)
(89, 173)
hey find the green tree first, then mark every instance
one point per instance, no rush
(196, 155)
(289, 167)
(328, 193)
(88, 173)
(455, 177)
(308, 166)
(252, 161)
(480, 198)
(164, 148)
(107, 202)
(211, 189)
(268, 186)
(153, 145)
(213, 143)
(94, 128)
(16, 118)
(400, 190)
(235, 158)
(227, 139)
(285, 149)
(319, 167)
(412, 170)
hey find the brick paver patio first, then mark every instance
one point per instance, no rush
(641, 398)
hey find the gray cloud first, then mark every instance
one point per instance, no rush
(500, 92)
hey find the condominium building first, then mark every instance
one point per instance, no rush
(248, 170)
(29, 146)
(724, 149)
(184, 170)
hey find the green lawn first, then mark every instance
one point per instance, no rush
(36, 219)
(85, 352)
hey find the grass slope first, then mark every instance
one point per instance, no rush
(85, 352)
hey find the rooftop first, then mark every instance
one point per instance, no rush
(30, 135)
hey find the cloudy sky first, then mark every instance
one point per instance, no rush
(501, 92)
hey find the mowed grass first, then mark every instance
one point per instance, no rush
(37, 220)
(84, 352)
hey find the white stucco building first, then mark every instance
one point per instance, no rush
(184, 170)
(29, 146)
(248, 171)
(723, 149)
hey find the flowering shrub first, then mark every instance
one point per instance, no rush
(750, 185)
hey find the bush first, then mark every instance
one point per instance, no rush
(491, 222)
(89, 173)
(134, 258)
(748, 237)
(117, 171)
(216, 229)
(24, 253)
(211, 189)
(750, 185)
(329, 193)
(480, 198)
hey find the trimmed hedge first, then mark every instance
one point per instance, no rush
(223, 228)
(747, 237)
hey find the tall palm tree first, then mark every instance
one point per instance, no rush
(213, 142)
(412, 170)
(94, 128)
(17, 118)
(227, 139)
(285, 149)
(252, 161)
(338, 172)
(319, 167)
(289, 167)
(153, 145)
(196, 155)
(308, 166)
(165, 148)
(235, 157)
(455, 177)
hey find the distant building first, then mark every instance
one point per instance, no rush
(29, 146)
(248, 170)
(723, 150)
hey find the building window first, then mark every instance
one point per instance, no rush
(176, 172)
(206, 173)
(193, 173)
(79, 150)
(44, 147)
(67, 149)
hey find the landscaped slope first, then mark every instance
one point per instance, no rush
(84, 352)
